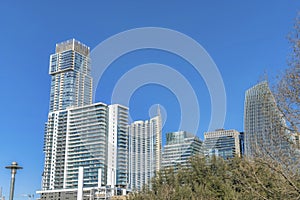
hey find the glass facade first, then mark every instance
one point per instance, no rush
(71, 81)
(180, 147)
(79, 133)
(264, 125)
(86, 144)
(223, 143)
(71, 86)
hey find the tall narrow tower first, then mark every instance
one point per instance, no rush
(145, 146)
(71, 81)
(71, 86)
(117, 146)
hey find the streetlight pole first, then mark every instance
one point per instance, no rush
(13, 167)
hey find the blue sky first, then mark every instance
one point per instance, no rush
(244, 38)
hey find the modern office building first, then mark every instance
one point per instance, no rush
(180, 147)
(264, 125)
(223, 143)
(71, 81)
(242, 144)
(144, 151)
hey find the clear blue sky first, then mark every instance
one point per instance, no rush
(244, 38)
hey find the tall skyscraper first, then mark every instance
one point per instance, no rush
(71, 81)
(223, 143)
(179, 148)
(144, 151)
(79, 134)
(71, 86)
(264, 125)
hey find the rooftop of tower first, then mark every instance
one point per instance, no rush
(73, 44)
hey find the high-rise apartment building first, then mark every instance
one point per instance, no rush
(117, 160)
(54, 150)
(144, 151)
(80, 135)
(71, 85)
(180, 147)
(71, 81)
(223, 143)
(264, 125)
(76, 137)
(86, 142)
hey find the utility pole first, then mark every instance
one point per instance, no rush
(13, 167)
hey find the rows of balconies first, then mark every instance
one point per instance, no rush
(83, 142)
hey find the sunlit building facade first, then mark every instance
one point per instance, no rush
(117, 146)
(180, 147)
(71, 86)
(145, 147)
(71, 81)
(54, 150)
(86, 141)
(264, 125)
(223, 143)
(80, 134)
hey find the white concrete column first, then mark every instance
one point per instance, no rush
(80, 184)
